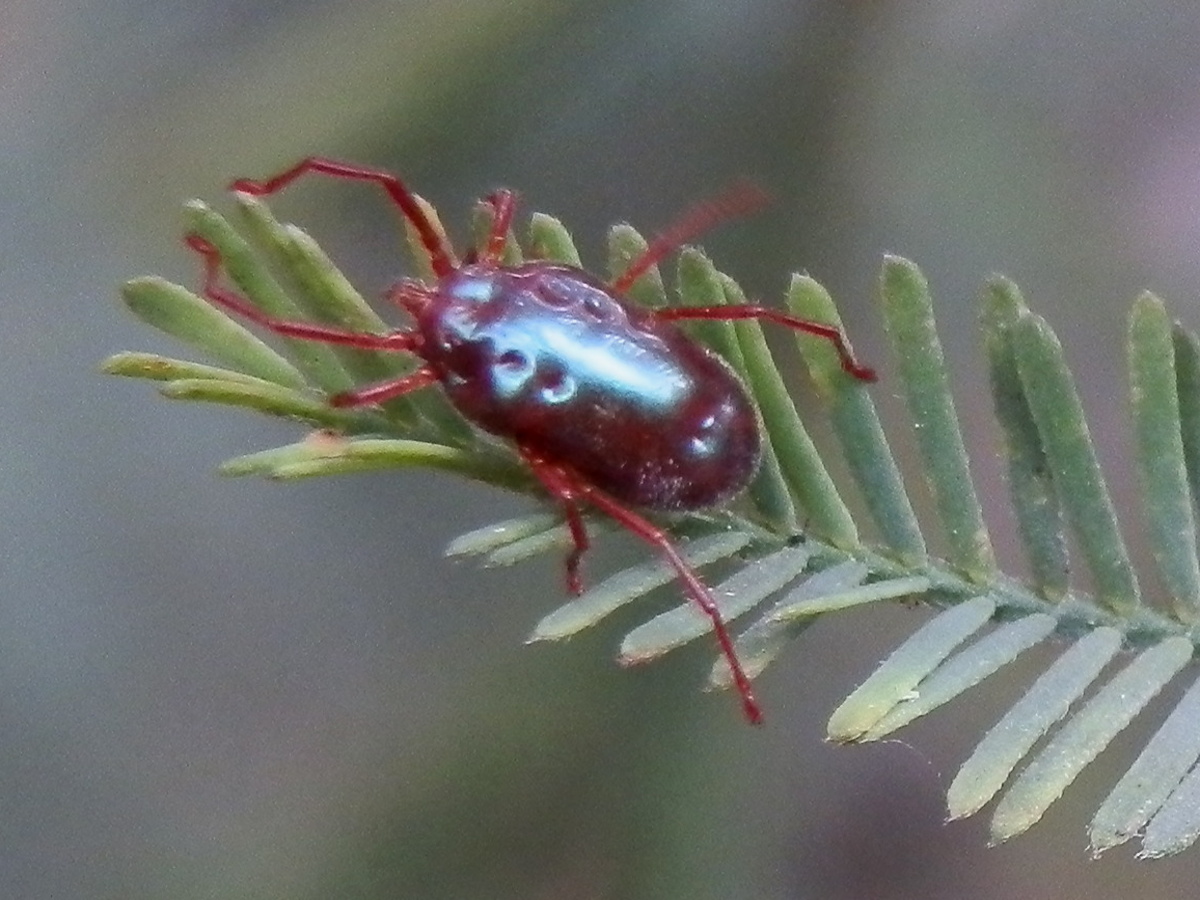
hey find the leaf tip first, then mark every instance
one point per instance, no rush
(149, 290)
(114, 365)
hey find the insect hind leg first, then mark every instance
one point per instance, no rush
(819, 329)
(504, 205)
(741, 199)
(570, 490)
(562, 488)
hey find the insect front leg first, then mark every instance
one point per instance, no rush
(385, 390)
(223, 297)
(441, 258)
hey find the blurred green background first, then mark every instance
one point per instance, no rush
(215, 689)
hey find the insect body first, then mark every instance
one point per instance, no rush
(545, 356)
(611, 405)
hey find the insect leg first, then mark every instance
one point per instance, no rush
(829, 332)
(739, 200)
(212, 290)
(441, 258)
(569, 488)
(563, 489)
(503, 204)
(385, 390)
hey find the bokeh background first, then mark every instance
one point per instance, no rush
(216, 689)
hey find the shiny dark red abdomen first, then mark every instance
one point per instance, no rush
(545, 355)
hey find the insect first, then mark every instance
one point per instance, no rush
(610, 404)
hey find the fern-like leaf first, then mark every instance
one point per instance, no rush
(983, 620)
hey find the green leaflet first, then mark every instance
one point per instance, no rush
(823, 529)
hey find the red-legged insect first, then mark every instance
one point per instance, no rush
(610, 404)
